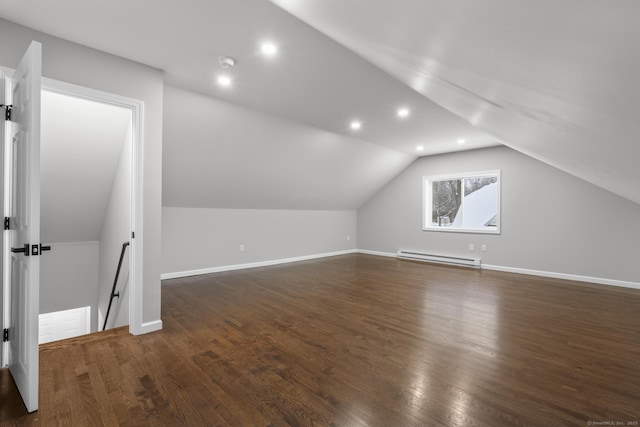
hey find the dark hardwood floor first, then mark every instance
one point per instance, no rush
(355, 340)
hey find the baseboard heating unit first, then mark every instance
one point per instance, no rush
(442, 259)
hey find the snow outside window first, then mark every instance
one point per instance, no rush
(467, 202)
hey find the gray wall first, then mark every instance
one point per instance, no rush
(200, 238)
(221, 155)
(116, 229)
(551, 221)
(69, 278)
(73, 63)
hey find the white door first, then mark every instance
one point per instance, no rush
(25, 229)
(63, 324)
(4, 300)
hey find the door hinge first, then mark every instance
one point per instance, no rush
(133, 234)
(5, 335)
(7, 111)
(7, 223)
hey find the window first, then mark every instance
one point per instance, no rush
(464, 203)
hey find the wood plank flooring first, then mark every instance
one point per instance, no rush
(355, 340)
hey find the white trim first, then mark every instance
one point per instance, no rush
(587, 279)
(136, 326)
(378, 253)
(575, 277)
(137, 184)
(187, 273)
(146, 327)
(428, 201)
(5, 318)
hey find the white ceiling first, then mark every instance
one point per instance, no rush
(223, 155)
(314, 80)
(80, 150)
(555, 80)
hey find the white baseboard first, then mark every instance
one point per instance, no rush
(578, 278)
(152, 326)
(575, 277)
(377, 253)
(187, 273)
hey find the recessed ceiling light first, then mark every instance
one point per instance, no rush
(224, 81)
(419, 148)
(269, 48)
(355, 125)
(461, 141)
(403, 112)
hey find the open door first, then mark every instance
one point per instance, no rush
(4, 293)
(24, 235)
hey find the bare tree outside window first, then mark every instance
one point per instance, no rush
(447, 199)
(465, 202)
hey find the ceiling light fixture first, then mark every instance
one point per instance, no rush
(226, 61)
(461, 141)
(403, 112)
(355, 125)
(419, 148)
(269, 48)
(224, 81)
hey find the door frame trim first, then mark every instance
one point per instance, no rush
(137, 174)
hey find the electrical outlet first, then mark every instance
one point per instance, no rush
(241, 247)
(484, 248)
(472, 247)
(348, 238)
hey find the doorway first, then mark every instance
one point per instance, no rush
(20, 94)
(85, 161)
(135, 249)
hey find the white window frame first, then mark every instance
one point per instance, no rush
(427, 203)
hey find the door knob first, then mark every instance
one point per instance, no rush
(24, 250)
(38, 249)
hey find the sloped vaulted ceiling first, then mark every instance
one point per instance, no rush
(557, 80)
(263, 154)
(223, 155)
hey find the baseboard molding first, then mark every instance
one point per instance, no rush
(232, 267)
(152, 326)
(565, 276)
(377, 253)
(575, 277)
